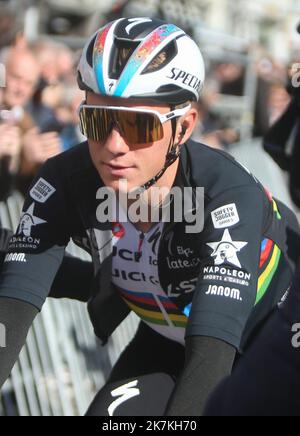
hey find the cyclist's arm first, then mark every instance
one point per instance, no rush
(227, 286)
(224, 297)
(208, 361)
(16, 318)
(13, 333)
(74, 279)
(34, 255)
(36, 250)
(266, 380)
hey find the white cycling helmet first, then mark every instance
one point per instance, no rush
(142, 58)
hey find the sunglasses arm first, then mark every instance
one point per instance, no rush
(176, 113)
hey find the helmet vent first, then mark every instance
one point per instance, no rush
(120, 56)
(90, 51)
(162, 58)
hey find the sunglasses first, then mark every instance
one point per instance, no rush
(137, 126)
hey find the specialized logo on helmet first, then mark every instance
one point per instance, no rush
(186, 79)
(136, 22)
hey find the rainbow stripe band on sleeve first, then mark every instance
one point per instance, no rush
(274, 204)
(269, 260)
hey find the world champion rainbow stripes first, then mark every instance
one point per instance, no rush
(269, 258)
(148, 309)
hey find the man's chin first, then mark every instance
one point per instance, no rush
(123, 186)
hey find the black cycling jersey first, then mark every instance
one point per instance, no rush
(220, 282)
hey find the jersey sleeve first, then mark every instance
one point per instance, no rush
(36, 249)
(230, 252)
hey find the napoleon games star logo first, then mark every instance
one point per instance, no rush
(28, 220)
(226, 250)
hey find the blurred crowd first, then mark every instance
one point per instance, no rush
(38, 105)
(270, 78)
(38, 109)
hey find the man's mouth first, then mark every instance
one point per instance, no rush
(118, 170)
(118, 167)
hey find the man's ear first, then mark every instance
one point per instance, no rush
(187, 126)
(183, 129)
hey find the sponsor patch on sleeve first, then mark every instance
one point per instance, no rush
(226, 250)
(42, 191)
(225, 216)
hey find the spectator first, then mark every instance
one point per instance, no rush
(10, 145)
(56, 60)
(22, 76)
(66, 112)
(212, 129)
(11, 22)
(231, 79)
(271, 96)
(278, 102)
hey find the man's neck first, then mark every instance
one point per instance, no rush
(166, 182)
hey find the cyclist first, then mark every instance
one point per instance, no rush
(203, 293)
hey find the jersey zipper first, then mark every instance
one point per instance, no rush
(138, 254)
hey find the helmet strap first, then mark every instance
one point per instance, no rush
(171, 157)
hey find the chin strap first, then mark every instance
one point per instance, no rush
(171, 157)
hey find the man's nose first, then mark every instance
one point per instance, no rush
(115, 143)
